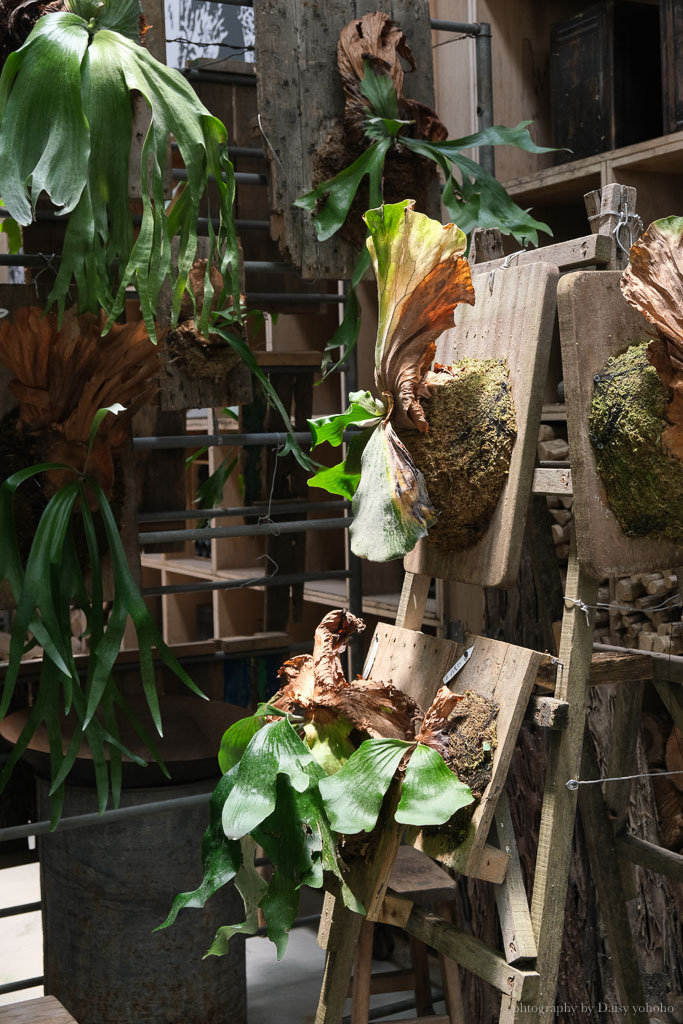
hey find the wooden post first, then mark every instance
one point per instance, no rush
(559, 802)
(606, 208)
(519, 943)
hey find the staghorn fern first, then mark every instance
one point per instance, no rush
(72, 81)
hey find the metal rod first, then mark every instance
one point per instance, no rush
(220, 77)
(275, 508)
(484, 63)
(241, 177)
(242, 151)
(286, 579)
(18, 986)
(42, 828)
(306, 298)
(226, 440)
(255, 530)
(470, 28)
(23, 908)
(243, 223)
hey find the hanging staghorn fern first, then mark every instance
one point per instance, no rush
(66, 128)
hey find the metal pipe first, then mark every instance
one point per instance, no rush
(18, 986)
(275, 508)
(42, 828)
(286, 579)
(305, 299)
(242, 151)
(219, 77)
(243, 223)
(23, 908)
(241, 177)
(485, 92)
(256, 530)
(469, 28)
(227, 440)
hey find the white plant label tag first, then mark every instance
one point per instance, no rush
(460, 663)
(370, 660)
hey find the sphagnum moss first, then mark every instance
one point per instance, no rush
(465, 456)
(643, 481)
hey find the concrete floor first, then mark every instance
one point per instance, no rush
(292, 985)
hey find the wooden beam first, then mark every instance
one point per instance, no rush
(579, 253)
(342, 939)
(604, 858)
(519, 943)
(648, 855)
(672, 699)
(472, 954)
(411, 608)
(559, 803)
(547, 712)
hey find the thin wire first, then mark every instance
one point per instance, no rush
(198, 42)
(455, 39)
(573, 784)
(671, 602)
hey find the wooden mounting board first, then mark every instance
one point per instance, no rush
(513, 317)
(300, 98)
(417, 663)
(596, 322)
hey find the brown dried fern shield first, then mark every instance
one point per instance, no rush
(62, 376)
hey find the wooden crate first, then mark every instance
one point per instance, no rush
(604, 78)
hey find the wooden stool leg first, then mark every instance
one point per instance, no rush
(342, 941)
(362, 975)
(423, 988)
(450, 975)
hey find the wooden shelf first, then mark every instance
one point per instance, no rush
(554, 185)
(184, 565)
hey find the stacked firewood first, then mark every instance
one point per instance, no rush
(553, 448)
(645, 613)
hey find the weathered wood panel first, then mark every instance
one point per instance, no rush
(596, 322)
(300, 99)
(513, 318)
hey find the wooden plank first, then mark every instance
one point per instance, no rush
(559, 803)
(596, 322)
(648, 855)
(578, 253)
(672, 699)
(413, 601)
(472, 954)
(362, 975)
(395, 911)
(519, 943)
(417, 663)
(275, 641)
(514, 320)
(450, 976)
(552, 481)
(416, 877)
(300, 100)
(46, 1010)
(343, 936)
(603, 853)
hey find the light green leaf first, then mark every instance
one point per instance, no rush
(221, 857)
(329, 743)
(363, 409)
(497, 135)
(251, 886)
(391, 507)
(353, 797)
(430, 792)
(336, 195)
(274, 750)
